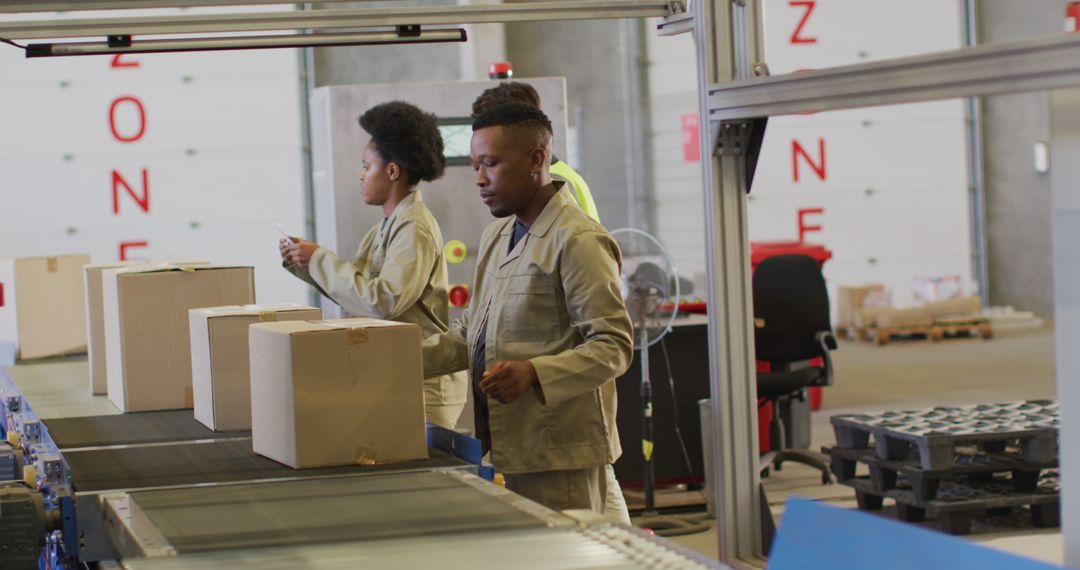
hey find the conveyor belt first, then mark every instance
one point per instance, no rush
(127, 429)
(191, 463)
(59, 388)
(603, 548)
(339, 509)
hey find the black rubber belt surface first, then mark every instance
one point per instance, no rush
(211, 462)
(127, 429)
(325, 510)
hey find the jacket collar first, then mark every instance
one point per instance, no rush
(413, 197)
(547, 216)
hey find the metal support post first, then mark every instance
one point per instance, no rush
(973, 112)
(1065, 231)
(720, 26)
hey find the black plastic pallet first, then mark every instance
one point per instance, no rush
(934, 433)
(970, 463)
(959, 501)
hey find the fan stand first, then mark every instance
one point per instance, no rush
(661, 525)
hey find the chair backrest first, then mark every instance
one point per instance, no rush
(791, 305)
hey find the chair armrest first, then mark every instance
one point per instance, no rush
(828, 343)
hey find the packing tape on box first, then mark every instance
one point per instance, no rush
(180, 266)
(267, 317)
(53, 264)
(357, 336)
(365, 456)
(274, 307)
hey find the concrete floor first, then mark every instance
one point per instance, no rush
(915, 374)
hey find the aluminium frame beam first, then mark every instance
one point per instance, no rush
(989, 69)
(186, 23)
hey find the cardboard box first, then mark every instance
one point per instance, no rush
(95, 315)
(850, 299)
(42, 305)
(221, 378)
(338, 392)
(147, 343)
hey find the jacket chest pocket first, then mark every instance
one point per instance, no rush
(530, 311)
(374, 265)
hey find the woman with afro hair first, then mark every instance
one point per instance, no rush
(399, 272)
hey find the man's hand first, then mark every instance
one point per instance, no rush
(298, 251)
(507, 380)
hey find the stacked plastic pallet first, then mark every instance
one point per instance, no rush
(951, 463)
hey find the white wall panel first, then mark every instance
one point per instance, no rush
(895, 195)
(222, 148)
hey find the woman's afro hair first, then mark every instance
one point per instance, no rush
(404, 134)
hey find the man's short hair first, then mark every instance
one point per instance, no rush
(503, 92)
(525, 120)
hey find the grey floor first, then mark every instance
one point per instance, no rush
(914, 374)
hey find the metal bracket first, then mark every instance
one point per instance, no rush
(118, 41)
(732, 137)
(679, 20)
(408, 31)
(739, 138)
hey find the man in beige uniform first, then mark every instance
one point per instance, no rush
(547, 332)
(399, 271)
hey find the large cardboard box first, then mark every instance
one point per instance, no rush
(221, 376)
(850, 299)
(147, 344)
(42, 305)
(337, 392)
(95, 315)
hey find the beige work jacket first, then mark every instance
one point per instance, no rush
(398, 274)
(554, 301)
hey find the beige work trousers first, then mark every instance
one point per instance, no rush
(443, 415)
(595, 489)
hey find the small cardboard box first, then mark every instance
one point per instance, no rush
(338, 392)
(95, 316)
(221, 378)
(147, 343)
(42, 305)
(850, 299)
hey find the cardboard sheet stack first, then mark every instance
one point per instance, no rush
(868, 306)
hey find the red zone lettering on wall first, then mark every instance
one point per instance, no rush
(128, 104)
(799, 37)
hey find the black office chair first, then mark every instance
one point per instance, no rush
(791, 328)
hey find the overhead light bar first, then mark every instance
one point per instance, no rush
(333, 19)
(124, 44)
(15, 6)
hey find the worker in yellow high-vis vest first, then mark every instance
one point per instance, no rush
(525, 93)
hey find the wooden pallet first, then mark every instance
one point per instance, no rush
(850, 332)
(936, 332)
